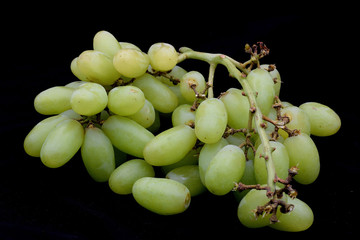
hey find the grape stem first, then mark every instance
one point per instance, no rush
(239, 71)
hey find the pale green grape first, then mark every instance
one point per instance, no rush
(207, 153)
(210, 120)
(275, 75)
(36, 137)
(286, 104)
(97, 154)
(189, 176)
(123, 177)
(129, 45)
(183, 115)
(130, 62)
(106, 42)
(163, 56)
(161, 195)
(238, 139)
(97, 67)
(237, 108)
(75, 84)
(62, 143)
(89, 99)
(298, 120)
(187, 81)
(191, 158)
(303, 154)
(248, 178)
(225, 168)
(263, 85)
(323, 120)
(175, 74)
(299, 219)
(161, 97)
(71, 114)
(181, 100)
(249, 203)
(53, 100)
(145, 116)
(76, 71)
(156, 124)
(170, 146)
(280, 159)
(127, 135)
(126, 100)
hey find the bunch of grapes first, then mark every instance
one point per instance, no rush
(244, 141)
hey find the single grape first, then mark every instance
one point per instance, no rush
(127, 135)
(190, 80)
(207, 153)
(76, 71)
(323, 120)
(154, 128)
(130, 62)
(62, 143)
(97, 154)
(161, 195)
(191, 158)
(210, 120)
(53, 100)
(248, 178)
(275, 75)
(163, 56)
(170, 146)
(36, 137)
(183, 115)
(225, 168)
(145, 116)
(262, 84)
(175, 74)
(280, 159)
(299, 219)
(129, 45)
(126, 100)
(298, 120)
(181, 100)
(237, 108)
(97, 67)
(71, 114)
(106, 42)
(161, 97)
(189, 176)
(75, 84)
(123, 177)
(89, 99)
(303, 154)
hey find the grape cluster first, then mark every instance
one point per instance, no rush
(113, 116)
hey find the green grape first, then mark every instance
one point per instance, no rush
(299, 219)
(163, 56)
(303, 154)
(170, 146)
(298, 120)
(75, 70)
(126, 100)
(156, 124)
(323, 120)
(286, 104)
(71, 114)
(210, 120)
(74, 84)
(145, 116)
(191, 158)
(239, 138)
(97, 154)
(53, 100)
(237, 107)
(262, 83)
(161, 97)
(123, 177)
(129, 45)
(89, 99)
(189, 176)
(275, 75)
(249, 203)
(127, 135)
(161, 195)
(226, 167)
(36, 137)
(207, 153)
(248, 178)
(193, 78)
(181, 100)
(62, 143)
(105, 42)
(183, 115)
(97, 67)
(171, 77)
(280, 159)
(130, 62)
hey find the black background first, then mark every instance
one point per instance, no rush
(312, 51)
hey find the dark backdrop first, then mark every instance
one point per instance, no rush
(312, 53)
